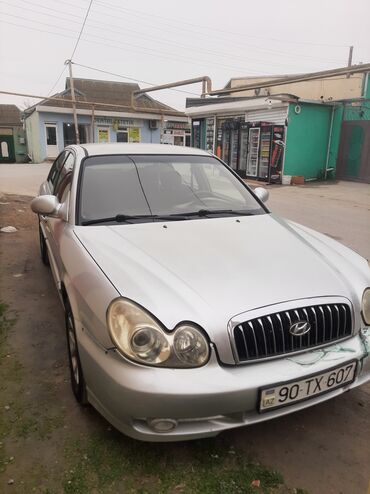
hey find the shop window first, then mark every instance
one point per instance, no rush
(70, 135)
(178, 140)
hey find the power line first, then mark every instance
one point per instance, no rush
(130, 78)
(135, 48)
(124, 47)
(162, 111)
(202, 26)
(58, 79)
(164, 41)
(81, 31)
(151, 15)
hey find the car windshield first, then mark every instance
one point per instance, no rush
(144, 188)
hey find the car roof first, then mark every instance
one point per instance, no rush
(136, 148)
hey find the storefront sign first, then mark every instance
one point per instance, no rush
(177, 125)
(119, 122)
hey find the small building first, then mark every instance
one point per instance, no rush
(267, 137)
(323, 89)
(111, 118)
(12, 136)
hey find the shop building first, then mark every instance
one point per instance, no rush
(247, 133)
(12, 135)
(50, 125)
(176, 133)
(272, 137)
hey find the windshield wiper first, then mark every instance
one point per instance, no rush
(119, 218)
(209, 212)
(127, 218)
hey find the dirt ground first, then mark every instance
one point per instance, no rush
(48, 444)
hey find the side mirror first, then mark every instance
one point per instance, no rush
(47, 205)
(262, 193)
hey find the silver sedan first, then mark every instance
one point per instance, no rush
(189, 307)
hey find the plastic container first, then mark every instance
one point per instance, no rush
(286, 180)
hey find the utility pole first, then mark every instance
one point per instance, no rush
(69, 62)
(350, 58)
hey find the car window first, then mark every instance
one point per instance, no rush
(183, 184)
(55, 170)
(159, 185)
(67, 168)
(110, 185)
(65, 184)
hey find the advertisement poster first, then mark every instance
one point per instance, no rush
(103, 135)
(134, 134)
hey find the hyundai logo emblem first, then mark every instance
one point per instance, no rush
(300, 328)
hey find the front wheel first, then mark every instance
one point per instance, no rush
(77, 378)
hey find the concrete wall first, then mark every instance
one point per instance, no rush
(336, 88)
(307, 140)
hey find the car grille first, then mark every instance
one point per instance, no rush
(269, 336)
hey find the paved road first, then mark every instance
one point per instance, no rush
(22, 179)
(341, 210)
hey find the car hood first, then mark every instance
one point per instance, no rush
(209, 270)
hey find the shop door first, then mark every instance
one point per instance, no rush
(354, 152)
(122, 136)
(7, 154)
(253, 152)
(52, 149)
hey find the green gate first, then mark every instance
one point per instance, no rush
(354, 151)
(7, 154)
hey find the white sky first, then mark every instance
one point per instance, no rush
(162, 41)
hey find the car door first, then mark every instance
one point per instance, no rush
(55, 227)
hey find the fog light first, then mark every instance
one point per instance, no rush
(162, 425)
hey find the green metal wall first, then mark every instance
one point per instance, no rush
(307, 140)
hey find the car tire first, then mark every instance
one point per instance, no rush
(77, 378)
(43, 248)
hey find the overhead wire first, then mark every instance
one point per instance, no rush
(131, 78)
(81, 31)
(202, 26)
(164, 41)
(56, 82)
(151, 15)
(124, 47)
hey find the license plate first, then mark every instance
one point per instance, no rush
(286, 393)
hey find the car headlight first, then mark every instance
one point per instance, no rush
(365, 309)
(139, 336)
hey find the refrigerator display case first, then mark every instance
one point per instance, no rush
(253, 151)
(264, 156)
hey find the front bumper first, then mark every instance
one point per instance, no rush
(206, 400)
